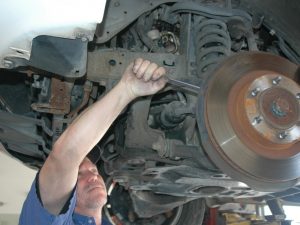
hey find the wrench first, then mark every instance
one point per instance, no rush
(182, 84)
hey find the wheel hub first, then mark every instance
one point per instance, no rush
(272, 108)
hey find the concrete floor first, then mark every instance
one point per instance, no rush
(15, 180)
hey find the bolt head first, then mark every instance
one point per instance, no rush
(272, 32)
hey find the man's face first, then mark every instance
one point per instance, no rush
(91, 190)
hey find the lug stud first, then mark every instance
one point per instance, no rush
(257, 120)
(276, 80)
(255, 91)
(282, 135)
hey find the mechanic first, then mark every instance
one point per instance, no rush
(68, 189)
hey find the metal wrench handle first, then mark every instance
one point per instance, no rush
(184, 85)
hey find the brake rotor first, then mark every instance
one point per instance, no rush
(249, 120)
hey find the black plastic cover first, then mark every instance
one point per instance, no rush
(62, 56)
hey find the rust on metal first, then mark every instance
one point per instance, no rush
(239, 140)
(254, 140)
(59, 102)
(88, 86)
(280, 108)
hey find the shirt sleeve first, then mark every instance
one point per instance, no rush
(33, 212)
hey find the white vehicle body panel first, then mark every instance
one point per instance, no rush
(24, 20)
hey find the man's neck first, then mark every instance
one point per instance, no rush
(95, 213)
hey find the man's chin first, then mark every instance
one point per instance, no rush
(97, 197)
(96, 204)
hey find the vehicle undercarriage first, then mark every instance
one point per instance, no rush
(170, 155)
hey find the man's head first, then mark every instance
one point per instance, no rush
(91, 190)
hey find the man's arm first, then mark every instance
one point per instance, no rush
(58, 175)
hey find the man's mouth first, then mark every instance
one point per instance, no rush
(91, 188)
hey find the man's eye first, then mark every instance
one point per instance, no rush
(95, 171)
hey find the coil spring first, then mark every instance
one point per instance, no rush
(212, 43)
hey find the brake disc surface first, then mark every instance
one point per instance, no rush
(248, 116)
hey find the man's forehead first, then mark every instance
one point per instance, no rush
(86, 163)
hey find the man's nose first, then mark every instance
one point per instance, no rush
(92, 178)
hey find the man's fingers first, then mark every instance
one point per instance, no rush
(146, 70)
(142, 69)
(158, 73)
(149, 72)
(137, 63)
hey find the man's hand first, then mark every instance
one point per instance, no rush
(143, 78)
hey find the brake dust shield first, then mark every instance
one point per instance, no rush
(248, 115)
